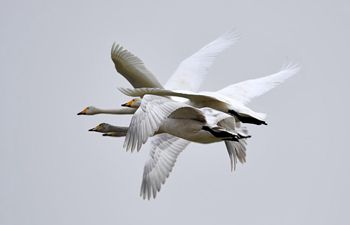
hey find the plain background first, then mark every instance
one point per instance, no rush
(55, 60)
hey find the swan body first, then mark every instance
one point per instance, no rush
(212, 100)
(189, 129)
(177, 118)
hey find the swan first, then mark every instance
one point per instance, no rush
(221, 128)
(189, 75)
(231, 99)
(197, 127)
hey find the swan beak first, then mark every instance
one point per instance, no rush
(82, 112)
(128, 104)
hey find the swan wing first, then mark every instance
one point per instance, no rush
(192, 71)
(148, 118)
(163, 154)
(245, 91)
(132, 68)
(189, 113)
(197, 98)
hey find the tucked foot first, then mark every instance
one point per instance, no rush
(246, 119)
(221, 133)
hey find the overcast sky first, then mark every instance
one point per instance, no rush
(55, 60)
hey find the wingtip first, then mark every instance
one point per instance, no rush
(232, 34)
(113, 47)
(291, 65)
(126, 91)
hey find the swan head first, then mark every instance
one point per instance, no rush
(90, 110)
(102, 128)
(134, 103)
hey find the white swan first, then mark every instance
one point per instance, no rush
(203, 126)
(189, 76)
(230, 99)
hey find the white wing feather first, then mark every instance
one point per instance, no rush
(163, 154)
(193, 96)
(148, 118)
(245, 91)
(192, 71)
(236, 150)
(132, 68)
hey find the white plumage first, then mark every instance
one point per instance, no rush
(171, 122)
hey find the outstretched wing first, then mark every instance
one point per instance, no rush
(148, 118)
(192, 71)
(164, 152)
(194, 97)
(132, 68)
(245, 91)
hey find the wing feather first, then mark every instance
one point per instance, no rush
(236, 150)
(245, 91)
(163, 154)
(193, 96)
(132, 68)
(193, 70)
(148, 118)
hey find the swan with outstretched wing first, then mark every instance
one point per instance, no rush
(231, 99)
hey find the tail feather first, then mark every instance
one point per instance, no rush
(236, 151)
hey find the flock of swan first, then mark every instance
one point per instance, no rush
(175, 114)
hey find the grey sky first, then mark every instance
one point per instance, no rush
(55, 60)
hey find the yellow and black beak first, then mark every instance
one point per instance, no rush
(93, 129)
(128, 104)
(82, 112)
(97, 128)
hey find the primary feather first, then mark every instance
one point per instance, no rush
(193, 70)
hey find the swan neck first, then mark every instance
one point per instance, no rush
(116, 111)
(118, 129)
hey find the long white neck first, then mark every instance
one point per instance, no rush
(116, 111)
(116, 131)
(112, 128)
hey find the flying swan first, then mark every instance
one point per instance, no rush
(231, 99)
